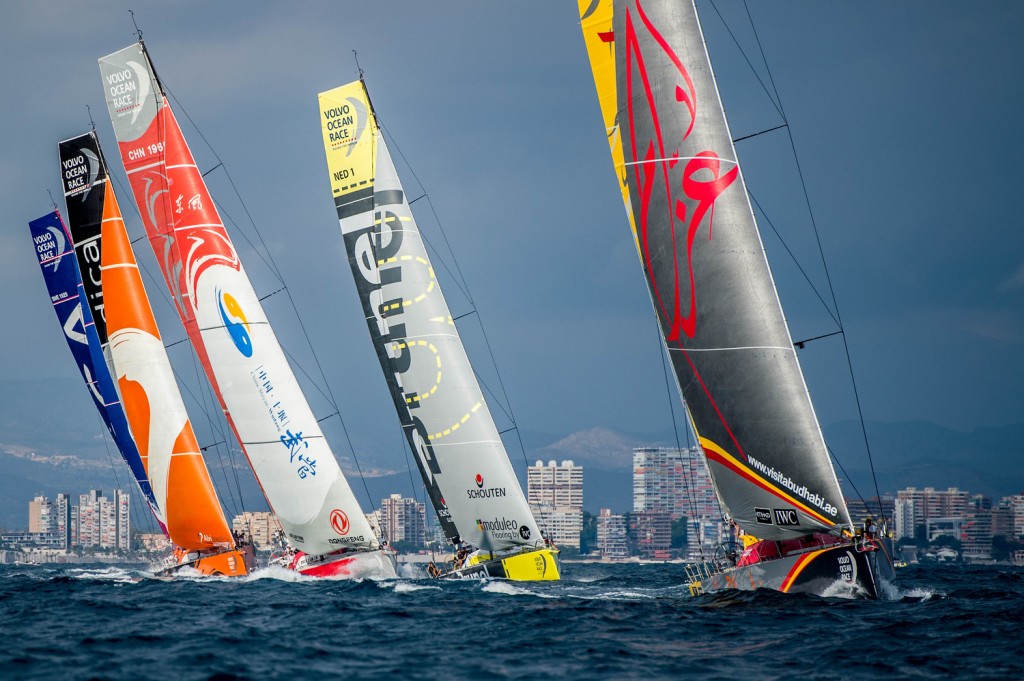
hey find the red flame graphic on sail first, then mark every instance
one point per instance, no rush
(695, 185)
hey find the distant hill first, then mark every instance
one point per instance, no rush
(986, 461)
(51, 440)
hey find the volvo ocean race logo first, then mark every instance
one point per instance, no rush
(128, 89)
(80, 172)
(339, 522)
(340, 121)
(235, 322)
(482, 492)
(50, 247)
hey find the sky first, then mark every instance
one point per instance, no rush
(905, 119)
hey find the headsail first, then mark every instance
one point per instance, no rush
(55, 250)
(446, 421)
(225, 320)
(188, 504)
(706, 269)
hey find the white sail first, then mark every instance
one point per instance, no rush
(439, 402)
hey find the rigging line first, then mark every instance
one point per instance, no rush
(237, 504)
(204, 407)
(490, 392)
(690, 501)
(52, 202)
(464, 286)
(847, 477)
(777, 105)
(227, 174)
(330, 395)
(793, 257)
(501, 384)
(828, 277)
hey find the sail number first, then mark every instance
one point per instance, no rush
(345, 173)
(141, 152)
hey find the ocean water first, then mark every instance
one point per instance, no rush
(601, 622)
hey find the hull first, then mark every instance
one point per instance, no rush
(843, 569)
(529, 566)
(232, 563)
(378, 564)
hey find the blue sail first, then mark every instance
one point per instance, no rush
(56, 254)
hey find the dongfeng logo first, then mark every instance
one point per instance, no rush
(339, 522)
(235, 322)
(479, 481)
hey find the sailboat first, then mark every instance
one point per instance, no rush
(457, 448)
(186, 503)
(327, 532)
(721, 319)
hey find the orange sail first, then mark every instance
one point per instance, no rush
(157, 416)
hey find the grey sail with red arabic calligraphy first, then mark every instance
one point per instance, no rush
(706, 269)
(444, 416)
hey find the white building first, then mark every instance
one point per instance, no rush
(262, 526)
(611, 535)
(555, 494)
(403, 520)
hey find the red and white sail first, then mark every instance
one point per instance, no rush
(224, 319)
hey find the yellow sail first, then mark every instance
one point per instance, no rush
(596, 21)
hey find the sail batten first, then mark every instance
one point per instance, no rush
(225, 321)
(707, 273)
(442, 411)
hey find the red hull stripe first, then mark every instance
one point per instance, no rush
(798, 567)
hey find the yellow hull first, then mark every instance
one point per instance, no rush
(531, 566)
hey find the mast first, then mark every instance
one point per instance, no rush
(224, 319)
(707, 273)
(446, 421)
(187, 501)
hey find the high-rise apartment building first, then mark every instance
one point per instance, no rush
(39, 514)
(261, 526)
(555, 493)
(675, 481)
(403, 520)
(931, 504)
(611, 535)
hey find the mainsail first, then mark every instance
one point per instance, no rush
(187, 504)
(447, 424)
(225, 320)
(64, 282)
(706, 269)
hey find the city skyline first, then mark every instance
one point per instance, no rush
(896, 315)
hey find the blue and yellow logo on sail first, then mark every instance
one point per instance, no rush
(235, 322)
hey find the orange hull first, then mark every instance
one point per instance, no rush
(232, 563)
